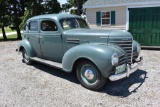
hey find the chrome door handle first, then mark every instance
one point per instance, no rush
(39, 39)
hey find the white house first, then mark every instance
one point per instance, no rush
(140, 17)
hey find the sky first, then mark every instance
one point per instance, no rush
(62, 1)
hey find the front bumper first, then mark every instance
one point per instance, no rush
(130, 69)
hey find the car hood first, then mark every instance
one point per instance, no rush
(87, 35)
(87, 32)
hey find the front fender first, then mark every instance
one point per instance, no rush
(99, 54)
(135, 52)
(27, 46)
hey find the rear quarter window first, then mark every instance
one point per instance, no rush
(33, 26)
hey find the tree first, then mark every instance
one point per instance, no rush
(39, 7)
(15, 12)
(78, 4)
(4, 19)
(66, 7)
(51, 6)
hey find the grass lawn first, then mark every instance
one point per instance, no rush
(7, 29)
(10, 36)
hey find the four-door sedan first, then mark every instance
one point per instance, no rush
(65, 41)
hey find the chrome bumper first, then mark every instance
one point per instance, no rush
(130, 69)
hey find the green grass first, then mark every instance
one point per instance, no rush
(7, 29)
(14, 36)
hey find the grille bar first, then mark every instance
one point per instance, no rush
(126, 45)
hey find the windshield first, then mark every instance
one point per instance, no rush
(72, 23)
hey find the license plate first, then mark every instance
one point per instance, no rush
(120, 68)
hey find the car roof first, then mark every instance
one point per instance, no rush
(54, 16)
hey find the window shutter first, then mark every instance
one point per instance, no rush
(98, 18)
(113, 17)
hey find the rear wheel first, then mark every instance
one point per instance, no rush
(26, 58)
(89, 76)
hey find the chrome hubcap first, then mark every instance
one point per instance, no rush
(26, 57)
(89, 74)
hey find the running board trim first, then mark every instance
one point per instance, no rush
(47, 62)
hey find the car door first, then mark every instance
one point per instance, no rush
(51, 40)
(33, 36)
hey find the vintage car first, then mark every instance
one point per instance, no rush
(65, 41)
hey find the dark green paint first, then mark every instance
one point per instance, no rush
(98, 18)
(144, 24)
(113, 17)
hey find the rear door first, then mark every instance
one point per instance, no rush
(33, 36)
(51, 40)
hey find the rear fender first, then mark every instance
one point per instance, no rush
(24, 44)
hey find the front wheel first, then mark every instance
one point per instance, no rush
(26, 58)
(89, 76)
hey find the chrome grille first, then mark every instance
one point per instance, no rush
(122, 60)
(126, 44)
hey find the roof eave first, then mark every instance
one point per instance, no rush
(124, 4)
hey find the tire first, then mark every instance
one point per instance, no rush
(89, 76)
(26, 58)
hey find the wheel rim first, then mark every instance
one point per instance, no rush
(89, 75)
(25, 57)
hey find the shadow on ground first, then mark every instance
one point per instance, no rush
(122, 87)
(118, 88)
(56, 72)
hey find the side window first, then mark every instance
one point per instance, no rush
(48, 25)
(33, 26)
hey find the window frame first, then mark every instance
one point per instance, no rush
(76, 19)
(25, 27)
(37, 26)
(48, 20)
(106, 18)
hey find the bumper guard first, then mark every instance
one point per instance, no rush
(130, 69)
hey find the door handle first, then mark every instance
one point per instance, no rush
(42, 41)
(39, 39)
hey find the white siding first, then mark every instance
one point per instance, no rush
(120, 17)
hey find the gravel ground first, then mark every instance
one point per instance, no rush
(39, 85)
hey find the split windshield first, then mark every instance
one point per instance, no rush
(72, 23)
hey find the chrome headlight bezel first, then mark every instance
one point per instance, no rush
(114, 59)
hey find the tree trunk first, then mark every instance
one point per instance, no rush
(79, 9)
(23, 7)
(18, 32)
(4, 34)
(16, 21)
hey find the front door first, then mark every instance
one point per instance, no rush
(144, 24)
(50, 40)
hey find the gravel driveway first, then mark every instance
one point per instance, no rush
(39, 85)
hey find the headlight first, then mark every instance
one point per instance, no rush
(115, 59)
(138, 48)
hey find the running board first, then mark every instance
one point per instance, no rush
(47, 62)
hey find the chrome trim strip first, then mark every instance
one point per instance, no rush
(132, 50)
(119, 41)
(74, 41)
(121, 59)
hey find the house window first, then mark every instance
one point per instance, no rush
(106, 18)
